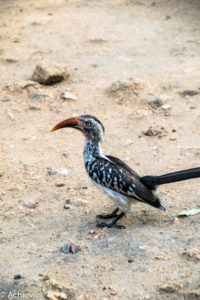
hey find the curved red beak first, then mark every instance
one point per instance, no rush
(72, 122)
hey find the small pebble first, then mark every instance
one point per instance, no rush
(66, 206)
(30, 204)
(17, 277)
(97, 40)
(60, 171)
(11, 116)
(5, 99)
(59, 184)
(34, 107)
(166, 107)
(68, 201)
(176, 221)
(67, 96)
(156, 103)
(40, 96)
(190, 93)
(172, 138)
(45, 277)
(128, 143)
(67, 248)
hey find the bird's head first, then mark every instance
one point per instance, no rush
(91, 127)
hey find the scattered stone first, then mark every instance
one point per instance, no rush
(92, 232)
(189, 93)
(74, 249)
(55, 290)
(59, 184)
(172, 138)
(24, 84)
(130, 260)
(34, 107)
(60, 171)
(68, 201)
(46, 277)
(176, 221)
(166, 107)
(170, 288)
(97, 41)
(128, 143)
(159, 101)
(11, 116)
(50, 73)
(66, 206)
(192, 253)
(5, 99)
(124, 58)
(125, 89)
(70, 248)
(65, 153)
(11, 60)
(40, 96)
(80, 202)
(17, 277)
(155, 132)
(94, 65)
(156, 103)
(30, 204)
(67, 96)
(191, 295)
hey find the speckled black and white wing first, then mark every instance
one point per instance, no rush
(115, 176)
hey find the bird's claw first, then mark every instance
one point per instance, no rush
(109, 216)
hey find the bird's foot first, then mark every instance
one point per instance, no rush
(113, 223)
(109, 216)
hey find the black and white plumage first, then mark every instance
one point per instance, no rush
(116, 178)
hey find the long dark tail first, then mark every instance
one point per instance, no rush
(153, 181)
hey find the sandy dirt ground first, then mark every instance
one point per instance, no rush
(156, 43)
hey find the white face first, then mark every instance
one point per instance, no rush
(91, 128)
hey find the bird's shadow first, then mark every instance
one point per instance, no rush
(141, 217)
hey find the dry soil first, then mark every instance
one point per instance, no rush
(156, 43)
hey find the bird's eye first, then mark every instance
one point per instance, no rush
(88, 124)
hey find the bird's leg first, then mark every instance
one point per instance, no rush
(109, 216)
(113, 223)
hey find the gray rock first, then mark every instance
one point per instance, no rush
(166, 107)
(49, 73)
(60, 171)
(5, 99)
(159, 101)
(190, 93)
(70, 248)
(67, 96)
(40, 96)
(156, 103)
(34, 107)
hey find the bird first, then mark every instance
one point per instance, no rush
(114, 177)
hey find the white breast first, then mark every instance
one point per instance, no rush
(122, 201)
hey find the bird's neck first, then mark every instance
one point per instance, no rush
(92, 151)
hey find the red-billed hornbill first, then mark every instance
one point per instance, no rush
(116, 178)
